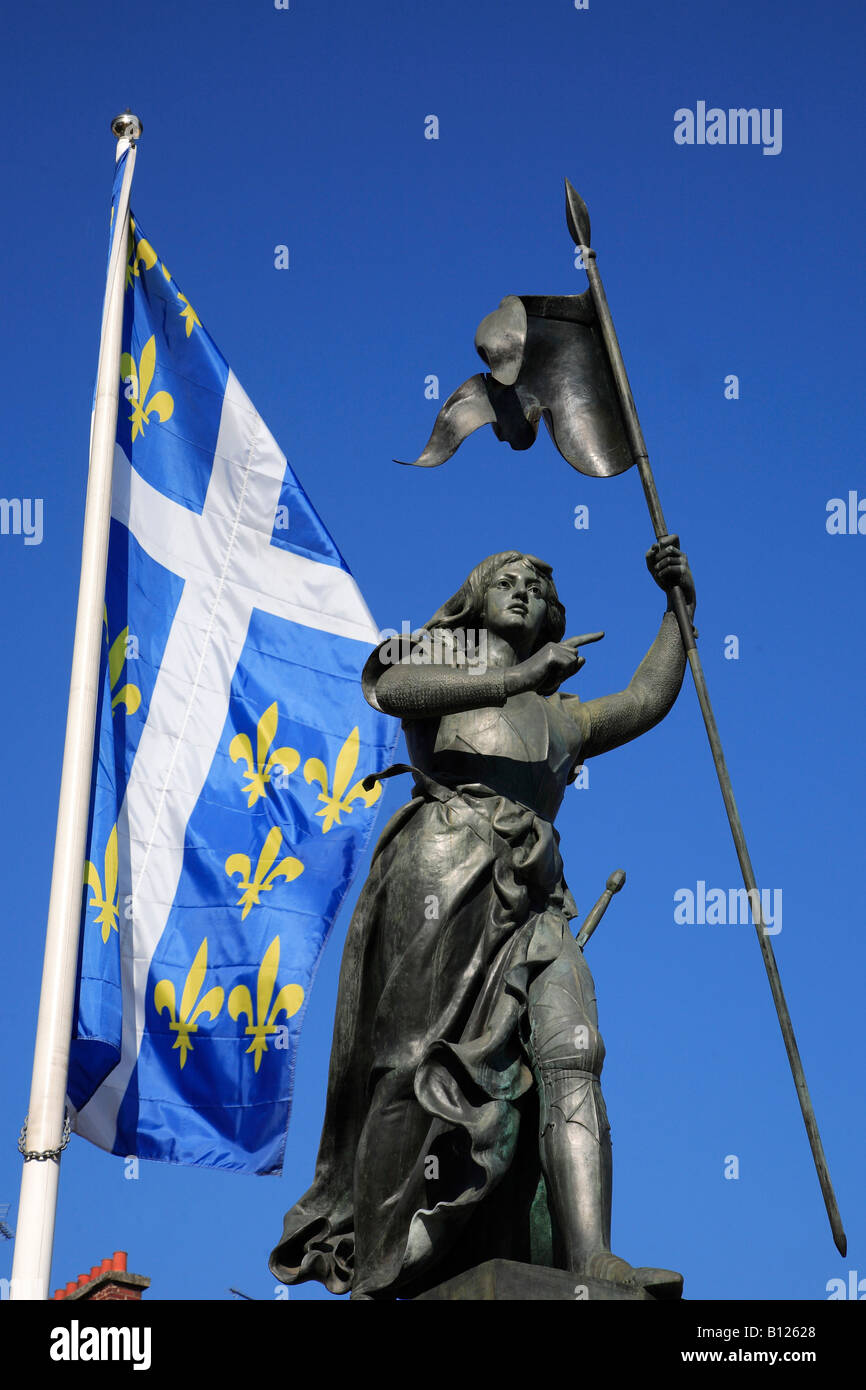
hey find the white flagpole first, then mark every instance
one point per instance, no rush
(44, 1135)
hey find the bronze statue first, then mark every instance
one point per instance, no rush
(464, 1117)
(464, 1120)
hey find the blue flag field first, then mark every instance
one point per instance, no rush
(227, 812)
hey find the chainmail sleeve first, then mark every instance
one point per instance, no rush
(423, 692)
(429, 676)
(612, 720)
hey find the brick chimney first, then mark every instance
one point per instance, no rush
(109, 1281)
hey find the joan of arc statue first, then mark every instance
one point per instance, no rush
(464, 1118)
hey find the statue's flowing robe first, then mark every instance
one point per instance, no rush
(429, 1157)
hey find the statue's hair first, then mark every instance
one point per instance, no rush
(465, 609)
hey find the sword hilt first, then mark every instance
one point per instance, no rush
(595, 914)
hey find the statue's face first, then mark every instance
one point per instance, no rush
(515, 605)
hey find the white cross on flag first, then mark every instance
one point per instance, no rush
(227, 808)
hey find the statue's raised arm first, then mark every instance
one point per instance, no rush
(612, 720)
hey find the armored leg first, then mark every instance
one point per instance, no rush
(567, 1055)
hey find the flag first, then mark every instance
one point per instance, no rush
(228, 814)
(547, 361)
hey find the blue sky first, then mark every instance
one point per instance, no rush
(305, 128)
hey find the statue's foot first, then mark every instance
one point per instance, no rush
(661, 1283)
(604, 1265)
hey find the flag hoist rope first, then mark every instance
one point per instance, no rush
(45, 1123)
(578, 223)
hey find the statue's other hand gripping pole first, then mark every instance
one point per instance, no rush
(579, 227)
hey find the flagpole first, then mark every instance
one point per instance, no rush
(46, 1131)
(578, 225)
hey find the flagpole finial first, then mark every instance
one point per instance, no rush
(126, 127)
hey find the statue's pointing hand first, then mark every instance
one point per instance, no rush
(669, 568)
(547, 668)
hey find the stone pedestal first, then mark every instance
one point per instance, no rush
(507, 1280)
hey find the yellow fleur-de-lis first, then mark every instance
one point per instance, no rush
(258, 772)
(107, 901)
(138, 252)
(139, 379)
(128, 695)
(267, 871)
(185, 1023)
(288, 1001)
(189, 315)
(339, 799)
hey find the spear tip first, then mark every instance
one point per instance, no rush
(576, 215)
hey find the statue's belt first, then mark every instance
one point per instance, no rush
(440, 791)
(455, 798)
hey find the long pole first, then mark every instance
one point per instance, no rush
(44, 1130)
(578, 224)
